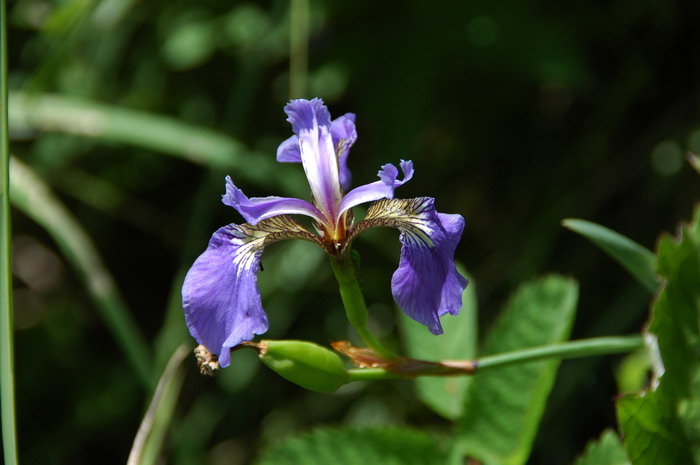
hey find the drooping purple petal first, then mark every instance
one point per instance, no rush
(426, 284)
(220, 295)
(257, 209)
(311, 123)
(383, 189)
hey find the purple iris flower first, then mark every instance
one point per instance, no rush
(220, 294)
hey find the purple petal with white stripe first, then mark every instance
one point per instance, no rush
(257, 209)
(383, 189)
(343, 135)
(426, 284)
(311, 122)
(220, 293)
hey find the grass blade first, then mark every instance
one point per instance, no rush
(7, 376)
(56, 113)
(149, 438)
(31, 195)
(638, 260)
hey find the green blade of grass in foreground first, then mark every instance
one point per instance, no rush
(151, 434)
(638, 260)
(7, 382)
(33, 197)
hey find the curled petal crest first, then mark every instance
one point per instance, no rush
(344, 136)
(383, 189)
(220, 295)
(426, 284)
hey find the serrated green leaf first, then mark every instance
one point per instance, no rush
(607, 450)
(504, 407)
(660, 426)
(445, 394)
(638, 260)
(357, 446)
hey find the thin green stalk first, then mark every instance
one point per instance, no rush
(31, 195)
(151, 434)
(298, 54)
(7, 372)
(565, 350)
(354, 302)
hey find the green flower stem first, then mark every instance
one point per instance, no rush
(565, 350)
(354, 302)
(7, 375)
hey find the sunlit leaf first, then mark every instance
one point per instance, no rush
(636, 259)
(607, 450)
(504, 407)
(660, 426)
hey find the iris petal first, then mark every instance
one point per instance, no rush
(311, 123)
(257, 209)
(426, 284)
(220, 293)
(288, 151)
(344, 136)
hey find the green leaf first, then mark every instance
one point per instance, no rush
(504, 407)
(357, 446)
(607, 450)
(7, 378)
(638, 260)
(660, 426)
(445, 395)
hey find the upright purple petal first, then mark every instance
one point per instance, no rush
(288, 151)
(383, 189)
(344, 136)
(311, 123)
(220, 295)
(257, 209)
(426, 284)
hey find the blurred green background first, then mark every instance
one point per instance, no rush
(517, 114)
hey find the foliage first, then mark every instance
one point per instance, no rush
(393, 446)
(504, 407)
(660, 425)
